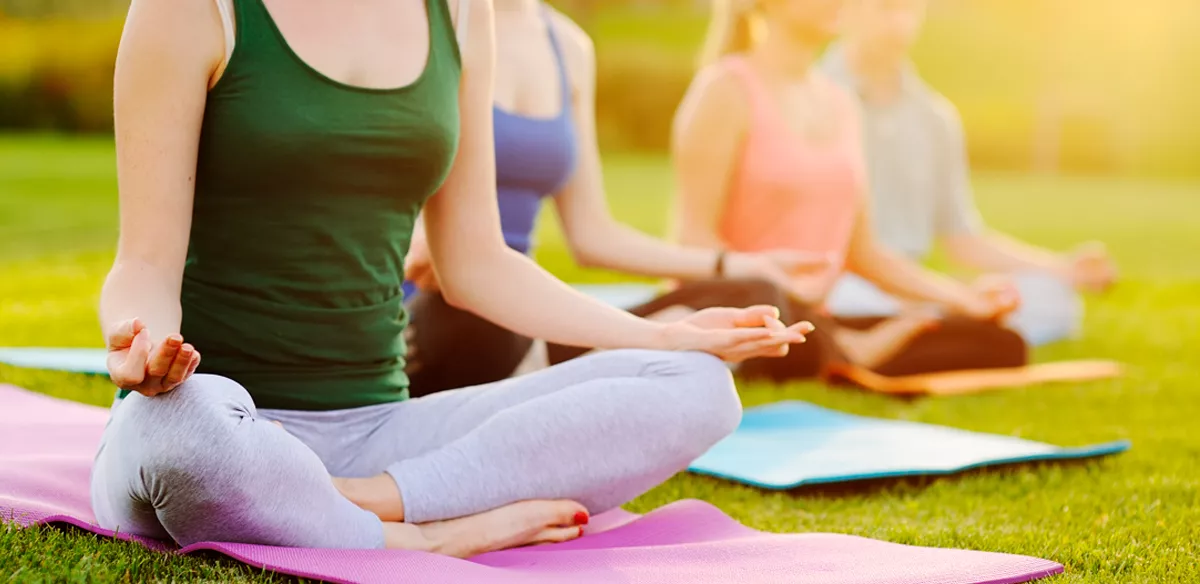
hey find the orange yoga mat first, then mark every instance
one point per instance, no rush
(978, 380)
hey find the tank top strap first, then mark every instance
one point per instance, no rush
(563, 79)
(252, 23)
(441, 24)
(756, 92)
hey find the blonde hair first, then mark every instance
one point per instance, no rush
(735, 27)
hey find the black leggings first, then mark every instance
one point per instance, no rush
(452, 348)
(449, 348)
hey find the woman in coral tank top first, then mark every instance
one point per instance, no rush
(767, 156)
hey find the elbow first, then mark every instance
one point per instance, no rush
(452, 288)
(589, 249)
(454, 291)
(462, 275)
(860, 260)
(960, 249)
(588, 257)
(453, 298)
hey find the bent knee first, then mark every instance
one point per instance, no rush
(182, 424)
(705, 393)
(199, 394)
(1010, 347)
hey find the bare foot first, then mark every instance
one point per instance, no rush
(872, 347)
(519, 524)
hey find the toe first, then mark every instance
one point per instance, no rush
(558, 535)
(562, 513)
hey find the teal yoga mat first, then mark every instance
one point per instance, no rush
(791, 444)
(56, 359)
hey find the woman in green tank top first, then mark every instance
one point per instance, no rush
(272, 158)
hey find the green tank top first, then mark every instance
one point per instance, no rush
(307, 191)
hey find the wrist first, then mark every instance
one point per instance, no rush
(961, 300)
(1064, 268)
(720, 264)
(660, 336)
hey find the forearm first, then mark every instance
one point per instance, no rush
(137, 289)
(904, 278)
(512, 291)
(625, 249)
(995, 252)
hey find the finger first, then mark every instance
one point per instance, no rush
(774, 324)
(133, 370)
(178, 370)
(803, 327)
(118, 370)
(193, 365)
(720, 341)
(759, 345)
(163, 355)
(754, 316)
(767, 348)
(122, 335)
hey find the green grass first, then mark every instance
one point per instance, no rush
(1131, 518)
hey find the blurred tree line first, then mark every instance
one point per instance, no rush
(1101, 86)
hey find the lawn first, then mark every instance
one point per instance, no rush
(1131, 518)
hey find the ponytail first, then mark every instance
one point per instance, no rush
(734, 28)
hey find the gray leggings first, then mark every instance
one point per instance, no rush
(202, 463)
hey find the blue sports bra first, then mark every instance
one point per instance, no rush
(535, 157)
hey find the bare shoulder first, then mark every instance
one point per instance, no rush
(474, 19)
(715, 92)
(470, 7)
(578, 51)
(187, 31)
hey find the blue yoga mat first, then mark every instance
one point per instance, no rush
(56, 359)
(792, 444)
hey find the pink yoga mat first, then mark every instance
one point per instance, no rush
(46, 448)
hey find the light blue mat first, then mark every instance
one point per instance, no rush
(792, 444)
(55, 359)
(620, 295)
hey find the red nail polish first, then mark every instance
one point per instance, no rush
(580, 531)
(581, 518)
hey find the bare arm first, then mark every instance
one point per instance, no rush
(893, 272)
(990, 251)
(595, 237)
(968, 241)
(972, 245)
(168, 53)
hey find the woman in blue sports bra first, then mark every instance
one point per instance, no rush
(546, 146)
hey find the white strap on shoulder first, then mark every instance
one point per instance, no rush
(464, 9)
(225, 8)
